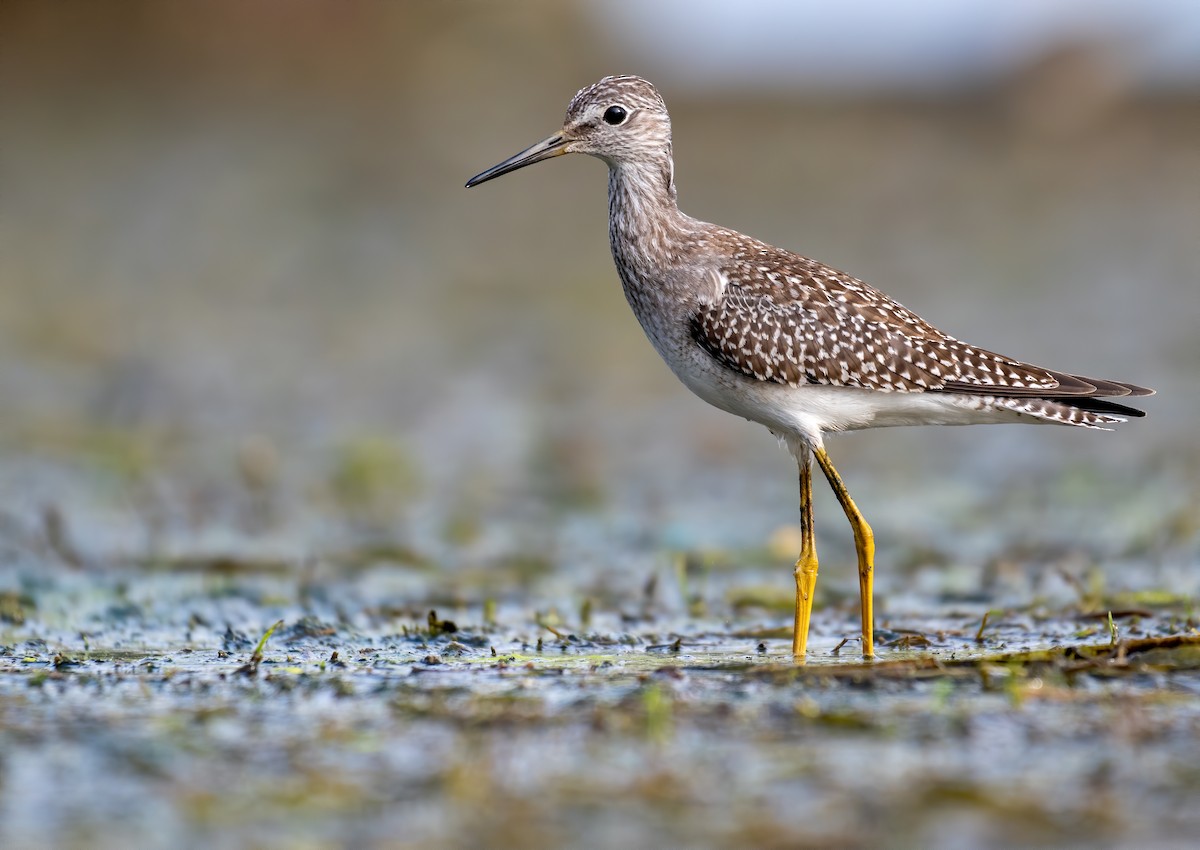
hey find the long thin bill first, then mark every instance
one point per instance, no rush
(545, 149)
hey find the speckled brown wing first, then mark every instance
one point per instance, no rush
(794, 321)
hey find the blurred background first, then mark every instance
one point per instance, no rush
(246, 304)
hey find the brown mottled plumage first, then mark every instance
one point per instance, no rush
(784, 340)
(790, 320)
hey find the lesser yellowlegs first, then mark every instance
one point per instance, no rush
(786, 341)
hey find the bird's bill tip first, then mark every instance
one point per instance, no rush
(545, 149)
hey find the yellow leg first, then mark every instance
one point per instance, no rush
(806, 567)
(864, 545)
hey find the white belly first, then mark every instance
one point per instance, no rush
(810, 410)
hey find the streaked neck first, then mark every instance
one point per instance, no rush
(643, 217)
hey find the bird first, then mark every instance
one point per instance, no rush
(785, 341)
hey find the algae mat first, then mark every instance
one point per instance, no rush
(141, 710)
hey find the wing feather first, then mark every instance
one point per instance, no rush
(793, 321)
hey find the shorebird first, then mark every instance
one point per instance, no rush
(785, 341)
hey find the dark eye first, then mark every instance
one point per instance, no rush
(615, 115)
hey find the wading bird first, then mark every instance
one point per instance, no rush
(783, 340)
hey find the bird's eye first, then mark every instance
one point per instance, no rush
(615, 115)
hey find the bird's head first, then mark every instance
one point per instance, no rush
(618, 119)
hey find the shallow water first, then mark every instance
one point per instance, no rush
(131, 711)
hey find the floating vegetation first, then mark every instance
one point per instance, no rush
(707, 716)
